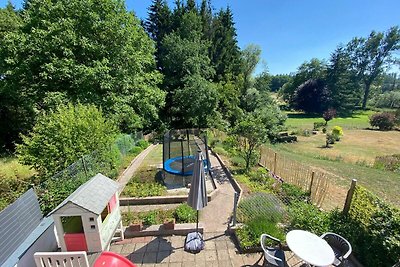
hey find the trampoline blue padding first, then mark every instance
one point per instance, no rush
(182, 166)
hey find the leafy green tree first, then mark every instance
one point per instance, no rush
(314, 69)
(272, 118)
(250, 58)
(196, 102)
(390, 82)
(14, 115)
(10, 20)
(370, 55)
(186, 59)
(191, 6)
(60, 137)
(95, 52)
(158, 24)
(251, 133)
(224, 50)
(262, 82)
(229, 100)
(277, 81)
(206, 18)
(342, 82)
(389, 99)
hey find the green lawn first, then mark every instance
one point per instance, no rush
(154, 158)
(359, 120)
(350, 158)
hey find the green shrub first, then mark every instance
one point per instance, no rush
(291, 193)
(324, 130)
(378, 226)
(142, 143)
(150, 218)
(53, 191)
(260, 175)
(308, 217)
(147, 217)
(318, 125)
(61, 137)
(185, 214)
(125, 143)
(249, 234)
(136, 150)
(337, 132)
(305, 132)
(330, 139)
(384, 121)
(238, 161)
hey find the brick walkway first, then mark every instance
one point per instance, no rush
(168, 251)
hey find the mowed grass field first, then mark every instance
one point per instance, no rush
(352, 157)
(359, 120)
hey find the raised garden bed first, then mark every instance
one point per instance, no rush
(131, 201)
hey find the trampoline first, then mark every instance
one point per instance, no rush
(182, 166)
(179, 149)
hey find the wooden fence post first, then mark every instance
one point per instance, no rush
(349, 197)
(312, 181)
(275, 162)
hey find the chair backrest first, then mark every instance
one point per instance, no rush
(269, 251)
(61, 259)
(339, 243)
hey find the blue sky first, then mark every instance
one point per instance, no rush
(290, 32)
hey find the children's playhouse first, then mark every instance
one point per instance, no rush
(88, 219)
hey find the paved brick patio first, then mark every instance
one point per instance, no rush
(168, 252)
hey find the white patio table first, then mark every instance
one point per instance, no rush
(310, 248)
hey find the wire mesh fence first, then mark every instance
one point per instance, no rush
(323, 190)
(261, 204)
(56, 188)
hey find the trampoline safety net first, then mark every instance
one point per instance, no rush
(179, 149)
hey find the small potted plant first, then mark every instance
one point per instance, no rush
(169, 224)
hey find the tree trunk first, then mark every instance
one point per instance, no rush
(366, 94)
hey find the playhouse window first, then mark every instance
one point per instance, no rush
(72, 224)
(104, 214)
(110, 207)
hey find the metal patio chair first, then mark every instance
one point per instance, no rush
(273, 256)
(341, 247)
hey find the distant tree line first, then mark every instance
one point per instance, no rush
(354, 72)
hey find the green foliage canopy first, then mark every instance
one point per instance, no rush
(370, 55)
(95, 52)
(251, 133)
(61, 137)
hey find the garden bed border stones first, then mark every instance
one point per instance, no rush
(159, 230)
(157, 200)
(234, 183)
